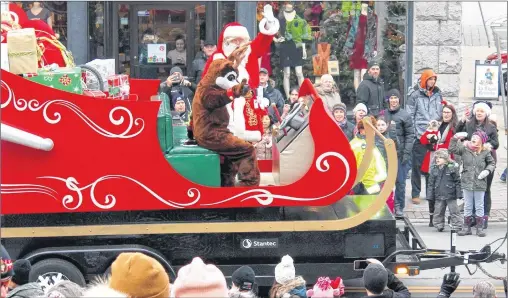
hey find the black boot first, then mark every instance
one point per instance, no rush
(466, 227)
(430, 222)
(485, 222)
(479, 227)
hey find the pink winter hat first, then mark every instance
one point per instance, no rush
(198, 279)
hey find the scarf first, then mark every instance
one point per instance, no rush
(342, 123)
(370, 37)
(470, 146)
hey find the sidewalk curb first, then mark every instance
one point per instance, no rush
(426, 221)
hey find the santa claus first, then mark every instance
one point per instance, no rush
(245, 115)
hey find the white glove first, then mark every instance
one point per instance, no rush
(487, 146)
(304, 54)
(483, 174)
(460, 135)
(268, 13)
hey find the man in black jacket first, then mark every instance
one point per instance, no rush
(376, 278)
(405, 136)
(371, 90)
(272, 94)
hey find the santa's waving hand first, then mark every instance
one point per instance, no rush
(245, 114)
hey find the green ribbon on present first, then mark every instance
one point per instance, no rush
(21, 54)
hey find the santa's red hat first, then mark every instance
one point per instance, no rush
(233, 29)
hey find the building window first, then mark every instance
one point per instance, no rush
(340, 38)
(56, 12)
(96, 30)
(227, 12)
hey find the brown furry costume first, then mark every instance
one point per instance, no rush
(210, 127)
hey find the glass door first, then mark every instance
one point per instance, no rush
(162, 36)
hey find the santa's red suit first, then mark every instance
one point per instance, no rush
(51, 49)
(246, 115)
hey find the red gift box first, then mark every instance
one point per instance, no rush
(118, 86)
(94, 93)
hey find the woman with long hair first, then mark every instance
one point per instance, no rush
(438, 136)
(480, 120)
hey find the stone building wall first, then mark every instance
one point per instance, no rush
(437, 44)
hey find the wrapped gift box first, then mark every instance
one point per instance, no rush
(118, 86)
(22, 51)
(63, 78)
(105, 67)
(94, 93)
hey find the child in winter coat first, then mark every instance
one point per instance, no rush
(388, 131)
(287, 284)
(444, 189)
(478, 163)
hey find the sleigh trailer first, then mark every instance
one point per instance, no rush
(85, 179)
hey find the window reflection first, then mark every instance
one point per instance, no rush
(343, 37)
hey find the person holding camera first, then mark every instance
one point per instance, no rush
(179, 90)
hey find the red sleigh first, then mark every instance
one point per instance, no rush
(64, 152)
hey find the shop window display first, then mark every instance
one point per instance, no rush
(96, 29)
(337, 38)
(52, 12)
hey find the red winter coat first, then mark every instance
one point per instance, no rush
(425, 141)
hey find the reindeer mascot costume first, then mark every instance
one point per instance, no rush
(245, 114)
(217, 89)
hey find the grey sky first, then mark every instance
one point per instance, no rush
(491, 10)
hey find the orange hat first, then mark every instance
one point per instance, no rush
(426, 75)
(140, 276)
(200, 280)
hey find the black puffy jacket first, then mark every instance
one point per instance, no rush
(371, 92)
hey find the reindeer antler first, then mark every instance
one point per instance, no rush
(237, 56)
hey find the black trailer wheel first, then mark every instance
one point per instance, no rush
(50, 271)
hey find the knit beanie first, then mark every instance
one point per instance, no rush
(340, 106)
(244, 278)
(198, 279)
(360, 107)
(21, 269)
(487, 107)
(6, 267)
(285, 270)
(325, 288)
(482, 135)
(442, 153)
(375, 278)
(65, 289)
(393, 92)
(175, 69)
(140, 276)
(372, 64)
(28, 290)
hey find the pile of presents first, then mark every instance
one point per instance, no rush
(29, 48)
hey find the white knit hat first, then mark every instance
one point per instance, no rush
(285, 270)
(360, 107)
(483, 106)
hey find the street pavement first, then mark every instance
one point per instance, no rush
(420, 214)
(428, 283)
(430, 279)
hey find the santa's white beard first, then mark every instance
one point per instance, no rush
(228, 49)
